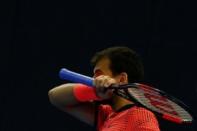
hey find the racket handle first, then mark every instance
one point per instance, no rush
(66, 74)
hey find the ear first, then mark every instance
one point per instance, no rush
(123, 77)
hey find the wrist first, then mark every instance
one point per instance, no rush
(84, 93)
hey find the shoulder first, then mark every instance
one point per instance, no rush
(142, 118)
(141, 113)
(106, 109)
(103, 113)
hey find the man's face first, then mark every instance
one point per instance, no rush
(102, 68)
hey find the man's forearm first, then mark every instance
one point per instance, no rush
(62, 96)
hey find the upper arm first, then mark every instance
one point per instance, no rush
(143, 120)
(62, 97)
(85, 112)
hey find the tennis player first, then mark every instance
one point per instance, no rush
(99, 106)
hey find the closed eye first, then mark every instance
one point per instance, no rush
(97, 73)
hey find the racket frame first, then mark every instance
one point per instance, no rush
(122, 91)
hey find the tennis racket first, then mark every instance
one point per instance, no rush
(155, 100)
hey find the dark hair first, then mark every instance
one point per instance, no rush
(122, 59)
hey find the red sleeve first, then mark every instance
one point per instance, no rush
(141, 119)
(103, 112)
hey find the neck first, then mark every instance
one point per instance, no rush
(119, 102)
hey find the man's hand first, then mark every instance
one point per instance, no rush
(102, 83)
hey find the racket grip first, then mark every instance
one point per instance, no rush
(66, 74)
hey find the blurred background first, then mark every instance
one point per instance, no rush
(40, 37)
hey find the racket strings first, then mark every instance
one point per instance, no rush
(155, 100)
(159, 103)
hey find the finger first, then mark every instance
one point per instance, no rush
(110, 82)
(100, 80)
(97, 80)
(105, 81)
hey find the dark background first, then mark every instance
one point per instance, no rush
(40, 37)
